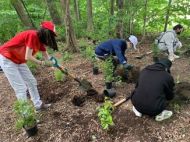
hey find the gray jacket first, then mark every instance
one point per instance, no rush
(169, 41)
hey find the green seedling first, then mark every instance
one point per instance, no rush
(66, 56)
(59, 76)
(155, 50)
(32, 66)
(26, 116)
(39, 56)
(107, 69)
(105, 114)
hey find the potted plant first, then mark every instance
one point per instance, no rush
(156, 52)
(107, 69)
(90, 55)
(26, 117)
(105, 114)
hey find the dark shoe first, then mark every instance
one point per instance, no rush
(1, 69)
(43, 107)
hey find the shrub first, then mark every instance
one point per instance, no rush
(59, 76)
(25, 112)
(32, 66)
(155, 50)
(104, 114)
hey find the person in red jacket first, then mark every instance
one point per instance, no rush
(17, 51)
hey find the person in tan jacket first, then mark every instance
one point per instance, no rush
(169, 41)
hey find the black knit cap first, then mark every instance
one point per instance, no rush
(166, 62)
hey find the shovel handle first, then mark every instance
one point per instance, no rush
(122, 101)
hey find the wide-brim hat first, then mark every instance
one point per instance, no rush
(166, 62)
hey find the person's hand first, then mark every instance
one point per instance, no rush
(127, 66)
(47, 63)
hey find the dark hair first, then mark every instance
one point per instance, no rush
(47, 37)
(178, 26)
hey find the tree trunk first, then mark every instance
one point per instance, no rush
(23, 13)
(145, 19)
(119, 26)
(53, 12)
(167, 15)
(90, 18)
(112, 7)
(70, 35)
(76, 8)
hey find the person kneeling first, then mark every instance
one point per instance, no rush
(153, 91)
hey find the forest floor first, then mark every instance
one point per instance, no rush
(65, 122)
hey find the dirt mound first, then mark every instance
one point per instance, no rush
(133, 74)
(182, 91)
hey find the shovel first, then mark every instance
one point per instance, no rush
(142, 56)
(83, 84)
(122, 101)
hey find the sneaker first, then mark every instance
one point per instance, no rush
(43, 107)
(171, 58)
(165, 114)
(176, 57)
(137, 113)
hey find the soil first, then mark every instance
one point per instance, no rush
(65, 122)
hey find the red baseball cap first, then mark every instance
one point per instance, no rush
(48, 25)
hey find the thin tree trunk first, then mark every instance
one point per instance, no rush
(70, 35)
(119, 27)
(90, 16)
(76, 8)
(53, 12)
(144, 20)
(22, 13)
(112, 7)
(167, 15)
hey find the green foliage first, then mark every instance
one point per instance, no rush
(66, 56)
(39, 56)
(26, 116)
(155, 50)
(59, 76)
(32, 66)
(105, 114)
(107, 69)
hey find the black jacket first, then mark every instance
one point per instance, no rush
(154, 88)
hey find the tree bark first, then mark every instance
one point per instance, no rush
(53, 12)
(167, 15)
(119, 26)
(76, 8)
(112, 7)
(90, 16)
(144, 20)
(23, 13)
(70, 35)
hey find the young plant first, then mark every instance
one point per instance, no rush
(59, 76)
(105, 114)
(66, 56)
(107, 69)
(39, 56)
(32, 66)
(155, 50)
(25, 112)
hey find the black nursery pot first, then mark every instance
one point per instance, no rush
(95, 70)
(110, 93)
(108, 85)
(155, 59)
(31, 131)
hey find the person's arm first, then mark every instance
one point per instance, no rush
(119, 54)
(45, 55)
(29, 56)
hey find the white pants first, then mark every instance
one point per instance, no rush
(163, 47)
(21, 79)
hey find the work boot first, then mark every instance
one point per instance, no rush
(1, 69)
(43, 107)
(165, 114)
(137, 113)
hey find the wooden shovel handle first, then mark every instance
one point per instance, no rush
(120, 102)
